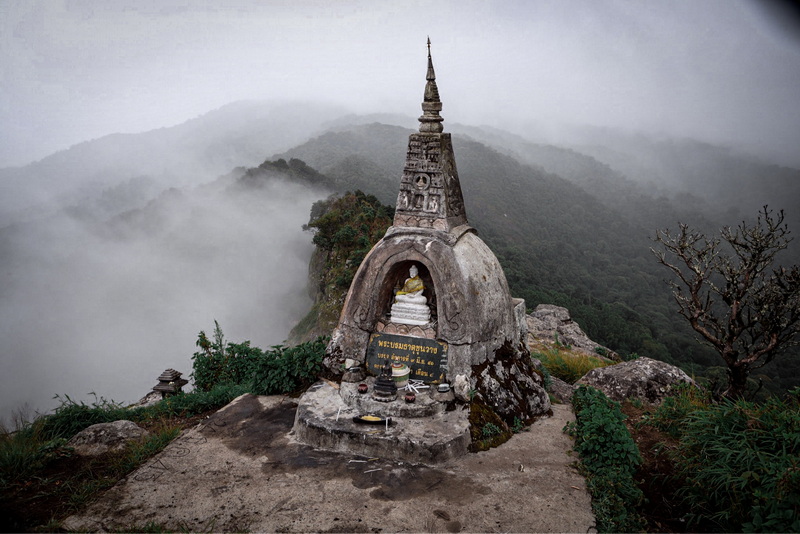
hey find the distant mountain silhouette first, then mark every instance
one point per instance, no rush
(197, 151)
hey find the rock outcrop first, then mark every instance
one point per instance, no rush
(105, 437)
(560, 390)
(153, 397)
(643, 378)
(552, 324)
(512, 387)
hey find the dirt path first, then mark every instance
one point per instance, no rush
(241, 470)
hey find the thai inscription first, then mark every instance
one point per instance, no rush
(427, 358)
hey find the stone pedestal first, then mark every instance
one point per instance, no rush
(404, 312)
(422, 432)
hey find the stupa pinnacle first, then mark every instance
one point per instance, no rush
(430, 121)
(430, 192)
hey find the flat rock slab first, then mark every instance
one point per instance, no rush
(241, 470)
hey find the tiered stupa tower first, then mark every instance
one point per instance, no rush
(430, 297)
(473, 317)
(430, 193)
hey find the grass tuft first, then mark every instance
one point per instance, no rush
(566, 364)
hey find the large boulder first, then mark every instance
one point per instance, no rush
(105, 437)
(512, 388)
(553, 324)
(643, 378)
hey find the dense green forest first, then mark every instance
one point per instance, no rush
(584, 246)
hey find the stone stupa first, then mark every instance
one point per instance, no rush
(432, 295)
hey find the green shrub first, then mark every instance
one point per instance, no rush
(221, 363)
(609, 459)
(280, 370)
(740, 465)
(287, 369)
(490, 430)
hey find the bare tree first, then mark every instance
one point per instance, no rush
(732, 296)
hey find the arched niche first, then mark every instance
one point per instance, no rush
(394, 280)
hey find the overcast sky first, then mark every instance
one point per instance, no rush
(718, 70)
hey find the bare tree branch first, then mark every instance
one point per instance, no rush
(745, 309)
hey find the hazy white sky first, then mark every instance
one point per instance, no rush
(717, 70)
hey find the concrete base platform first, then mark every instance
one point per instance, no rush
(419, 433)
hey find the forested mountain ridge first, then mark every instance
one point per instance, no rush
(557, 242)
(194, 152)
(732, 183)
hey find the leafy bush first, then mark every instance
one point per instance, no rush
(218, 363)
(490, 430)
(280, 370)
(609, 459)
(566, 365)
(287, 369)
(740, 463)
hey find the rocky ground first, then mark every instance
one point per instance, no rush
(240, 469)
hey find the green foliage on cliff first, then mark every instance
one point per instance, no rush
(345, 230)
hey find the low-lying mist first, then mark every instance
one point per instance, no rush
(104, 306)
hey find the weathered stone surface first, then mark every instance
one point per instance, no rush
(553, 323)
(512, 388)
(104, 437)
(467, 283)
(461, 388)
(643, 378)
(241, 470)
(324, 420)
(154, 397)
(431, 246)
(561, 391)
(464, 284)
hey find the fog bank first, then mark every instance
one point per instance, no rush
(722, 71)
(105, 306)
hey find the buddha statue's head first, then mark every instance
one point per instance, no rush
(413, 271)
